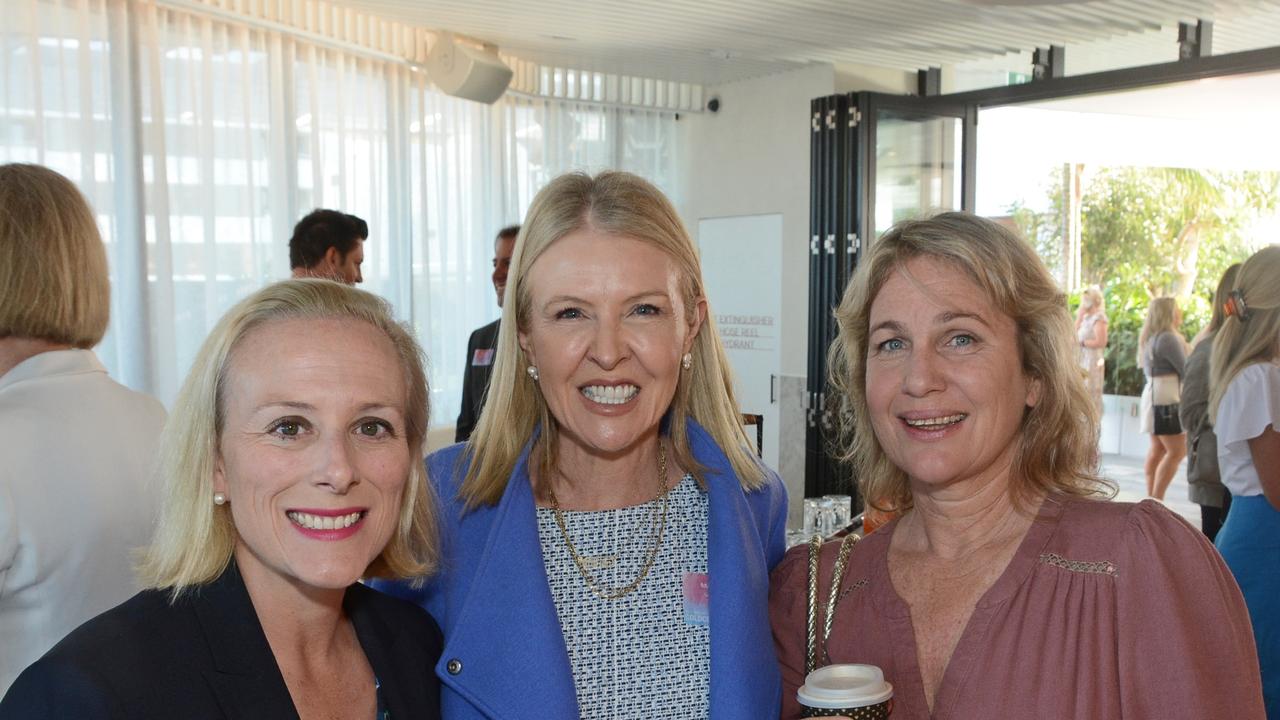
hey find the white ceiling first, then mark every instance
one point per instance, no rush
(715, 41)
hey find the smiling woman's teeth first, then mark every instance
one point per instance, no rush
(320, 522)
(610, 394)
(937, 422)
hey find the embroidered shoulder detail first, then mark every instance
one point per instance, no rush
(1102, 567)
(852, 587)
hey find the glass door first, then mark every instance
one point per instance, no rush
(876, 159)
(919, 160)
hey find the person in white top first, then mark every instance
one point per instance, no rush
(77, 448)
(1244, 405)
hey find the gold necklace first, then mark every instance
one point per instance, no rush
(658, 523)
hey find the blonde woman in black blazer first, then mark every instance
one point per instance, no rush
(293, 468)
(205, 656)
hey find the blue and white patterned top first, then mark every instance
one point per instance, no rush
(644, 655)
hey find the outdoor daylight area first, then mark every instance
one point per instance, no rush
(1143, 194)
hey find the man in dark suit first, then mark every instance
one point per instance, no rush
(480, 347)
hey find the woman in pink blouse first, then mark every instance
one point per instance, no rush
(1009, 586)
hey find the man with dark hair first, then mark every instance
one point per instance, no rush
(328, 244)
(475, 381)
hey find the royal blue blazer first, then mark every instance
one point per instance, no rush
(504, 656)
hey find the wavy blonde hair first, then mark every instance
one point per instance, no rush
(53, 265)
(1093, 294)
(1241, 343)
(194, 538)
(1162, 317)
(614, 204)
(1059, 434)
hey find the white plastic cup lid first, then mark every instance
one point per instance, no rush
(844, 686)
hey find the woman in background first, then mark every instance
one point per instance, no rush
(1204, 486)
(76, 447)
(1091, 333)
(1244, 406)
(1162, 354)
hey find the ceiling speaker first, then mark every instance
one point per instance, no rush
(461, 70)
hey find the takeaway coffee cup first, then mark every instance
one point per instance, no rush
(853, 691)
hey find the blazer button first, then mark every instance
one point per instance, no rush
(454, 667)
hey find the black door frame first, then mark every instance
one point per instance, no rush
(968, 104)
(870, 105)
(842, 195)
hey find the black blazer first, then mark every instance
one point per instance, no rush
(475, 380)
(206, 657)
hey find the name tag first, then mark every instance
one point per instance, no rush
(483, 357)
(696, 594)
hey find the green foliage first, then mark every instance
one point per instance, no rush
(1147, 232)
(1168, 230)
(1044, 232)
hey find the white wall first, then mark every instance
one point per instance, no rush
(851, 77)
(751, 158)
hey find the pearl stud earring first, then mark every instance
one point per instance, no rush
(533, 372)
(687, 361)
(219, 498)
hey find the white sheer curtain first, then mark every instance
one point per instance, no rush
(200, 141)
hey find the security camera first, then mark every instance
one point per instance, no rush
(713, 105)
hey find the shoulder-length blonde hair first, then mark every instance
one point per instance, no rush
(194, 538)
(1096, 303)
(1244, 342)
(1162, 317)
(53, 266)
(1059, 434)
(618, 204)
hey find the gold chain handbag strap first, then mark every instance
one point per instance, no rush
(833, 595)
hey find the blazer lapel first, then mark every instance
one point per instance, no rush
(245, 677)
(402, 692)
(744, 682)
(506, 643)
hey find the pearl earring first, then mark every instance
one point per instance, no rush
(533, 372)
(687, 361)
(219, 498)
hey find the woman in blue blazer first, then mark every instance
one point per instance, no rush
(291, 470)
(607, 533)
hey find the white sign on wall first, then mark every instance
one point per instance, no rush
(742, 267)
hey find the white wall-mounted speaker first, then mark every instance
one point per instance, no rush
(465, 71)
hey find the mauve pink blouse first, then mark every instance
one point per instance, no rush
(1107, 610)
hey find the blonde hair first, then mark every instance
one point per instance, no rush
(1241, 343)
(194, 538)
(1094, 295)
(1162, 317)
(1220, 295)
(1059, 434)
(53, 266)
(617, 204)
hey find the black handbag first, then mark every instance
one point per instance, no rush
(1165, 420)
